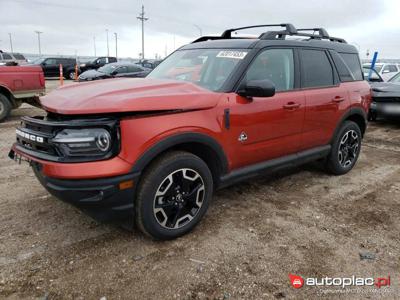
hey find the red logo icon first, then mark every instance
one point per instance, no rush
(297, 281)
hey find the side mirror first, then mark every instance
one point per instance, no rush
(257, 88)
(385, 71)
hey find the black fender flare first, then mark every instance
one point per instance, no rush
(179, 139)
(354, 111)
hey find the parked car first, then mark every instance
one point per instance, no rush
(7, 58)
(97, 63)
(385, 70)
(385, 97)
(19, 84)
(150, 64)
(153, 150)
(114, 70)
(51, 66)
(371, 75)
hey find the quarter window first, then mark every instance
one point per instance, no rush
(276, 65)
(353, 62)
(317, 69)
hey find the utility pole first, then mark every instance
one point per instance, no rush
(94, 45)
(108, 48)
(199, 28)
(116, 44)
(142, 19)
(11, 46)
(38, 36)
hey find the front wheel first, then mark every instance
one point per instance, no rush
(346, 148)
(173, 195)
(5, 107)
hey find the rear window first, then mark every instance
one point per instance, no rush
(353, 63)
(19, 56)
(6, 56)
(316, 69)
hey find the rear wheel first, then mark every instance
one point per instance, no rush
(345, 149)
(173, 195)
(71, 75)
(5, 107)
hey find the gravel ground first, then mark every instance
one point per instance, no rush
(255, 233)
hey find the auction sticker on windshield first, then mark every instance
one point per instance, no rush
(232, 54)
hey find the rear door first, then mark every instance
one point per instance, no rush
(267, 128)
(50, 67)
(326, 98)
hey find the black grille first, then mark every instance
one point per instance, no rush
(34, 136)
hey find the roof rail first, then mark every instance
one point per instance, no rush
(281, 35)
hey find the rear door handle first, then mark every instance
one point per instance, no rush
(291, 105)
(338, 99)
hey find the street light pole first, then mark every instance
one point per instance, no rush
(108, 48)
(38, 34)
(142, 19)
(11, 45)
(116, 44)
(94, 45)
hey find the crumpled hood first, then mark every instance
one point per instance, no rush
(92, 74)
(128, 95)
(385, 90)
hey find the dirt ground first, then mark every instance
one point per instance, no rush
(255, 233)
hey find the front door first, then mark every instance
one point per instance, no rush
(266, 128)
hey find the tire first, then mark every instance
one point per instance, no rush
(372, 116)
(5, 107)
(346, 148)
(70, 75)
(173, 175)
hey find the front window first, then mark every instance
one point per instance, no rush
(208, 68)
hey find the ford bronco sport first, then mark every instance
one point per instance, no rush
(216, 111)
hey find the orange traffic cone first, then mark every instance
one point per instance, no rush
(61, 75)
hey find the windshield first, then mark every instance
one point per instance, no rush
(377, 68)
(395, 78)
(107, 69)
(38, 61)
(208, 68)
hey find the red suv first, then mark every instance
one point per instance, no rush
(216, 111)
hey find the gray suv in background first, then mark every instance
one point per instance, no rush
(6, 58)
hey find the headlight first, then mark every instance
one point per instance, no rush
(83, 142)
(83, 65)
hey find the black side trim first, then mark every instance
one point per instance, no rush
(176, 140)
(274, 165)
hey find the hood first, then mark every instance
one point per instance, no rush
(385, 89)
(92, 74)
(128, 95)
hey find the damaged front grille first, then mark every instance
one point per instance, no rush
(36, 137)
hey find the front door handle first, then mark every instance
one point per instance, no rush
(291, 105)
(338, 99)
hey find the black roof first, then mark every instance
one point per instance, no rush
(319, 38)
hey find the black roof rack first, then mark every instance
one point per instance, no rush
(290, 30)
(321, 31)
(227, 34)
